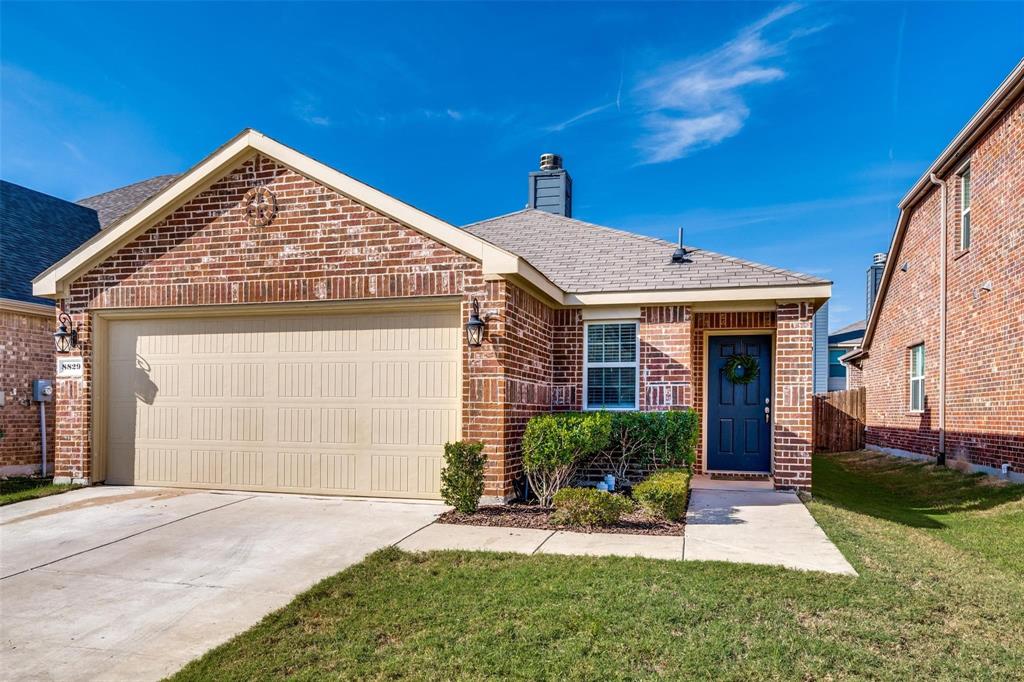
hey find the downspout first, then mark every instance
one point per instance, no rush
(941, 457)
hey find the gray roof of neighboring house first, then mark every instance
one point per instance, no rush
(851, 332)
(582, 257)
(115, 204)
(36, 230)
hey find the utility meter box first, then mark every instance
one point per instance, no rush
(42, 390)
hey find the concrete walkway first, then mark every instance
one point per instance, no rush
(750, 522)
(737, 521)
(119, 583)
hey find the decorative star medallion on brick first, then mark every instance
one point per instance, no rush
(260, 206)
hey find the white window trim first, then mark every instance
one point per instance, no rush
(965, 175)
(913, 378)
(587, 365)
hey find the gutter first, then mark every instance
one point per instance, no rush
(941, 459)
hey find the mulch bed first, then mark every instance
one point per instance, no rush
(532, 516)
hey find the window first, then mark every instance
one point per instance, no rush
(610, 366)
(965, 209)
(836, 369)
(917, 378)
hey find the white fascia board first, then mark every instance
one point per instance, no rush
(812, 292)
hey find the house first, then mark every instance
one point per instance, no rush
(35, 230)
(265, 322)
(943, 352)
(840, 342)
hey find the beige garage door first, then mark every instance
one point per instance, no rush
(354, 404)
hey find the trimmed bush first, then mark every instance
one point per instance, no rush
(645, 440)
(462, 480)
(663, 494)
(554, 445)
(589, 507)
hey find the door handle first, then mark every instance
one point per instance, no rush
(767, 415)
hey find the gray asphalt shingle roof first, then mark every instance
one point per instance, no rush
(36, 231)
(115, 204)
(582, 257)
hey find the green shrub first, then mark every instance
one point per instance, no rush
(554, 445)
(589, 507)
(663, 494)
(642, 440)
(462, 480)
(675, 438)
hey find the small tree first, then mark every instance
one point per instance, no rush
(555, 444)
(462, 480)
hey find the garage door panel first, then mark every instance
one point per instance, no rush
(335, 404)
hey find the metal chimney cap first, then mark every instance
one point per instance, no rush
(550, 162)
(879, 259)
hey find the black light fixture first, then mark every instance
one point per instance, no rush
(64, 338)
(475, 326)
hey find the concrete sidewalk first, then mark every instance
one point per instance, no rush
(748, 522)
(737, 521)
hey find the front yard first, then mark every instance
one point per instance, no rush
(939, 596)
(21, 488)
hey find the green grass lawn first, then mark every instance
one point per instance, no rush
(21, 488)
(940, 596)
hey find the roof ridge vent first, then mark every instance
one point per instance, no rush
(681, 252)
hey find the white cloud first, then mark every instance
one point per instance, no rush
(698, 102)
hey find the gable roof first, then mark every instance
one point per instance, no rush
(113, 205)
(851, 333)
(581, 257)
(526, 247)
(988, 115)
(39, 229)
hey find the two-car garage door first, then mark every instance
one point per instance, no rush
(344, 404)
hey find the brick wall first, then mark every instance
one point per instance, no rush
(985, 329)
(322, 246)
(794, 394)
(26, 353)
(666, 363)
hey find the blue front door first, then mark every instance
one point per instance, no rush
(739, 427)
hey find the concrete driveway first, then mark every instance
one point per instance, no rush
(125, 583)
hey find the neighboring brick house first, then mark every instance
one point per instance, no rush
(943, 353)
(35, 230)
(267, 323)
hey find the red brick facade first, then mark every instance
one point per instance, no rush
(323, 246)
(985, 328)
(26, 353)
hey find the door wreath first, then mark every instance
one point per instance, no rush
(741, 368)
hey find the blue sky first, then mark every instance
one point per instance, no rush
(777, 132)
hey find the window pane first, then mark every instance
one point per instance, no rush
(595, 343)
(611, 342)
(965, 235)
(965, 203)
(611, 387)
(916, 394)
(917, 364)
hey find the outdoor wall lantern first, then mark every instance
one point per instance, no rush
(475, 326)
(64, 338)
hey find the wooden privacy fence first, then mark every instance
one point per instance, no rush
(839, 420)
